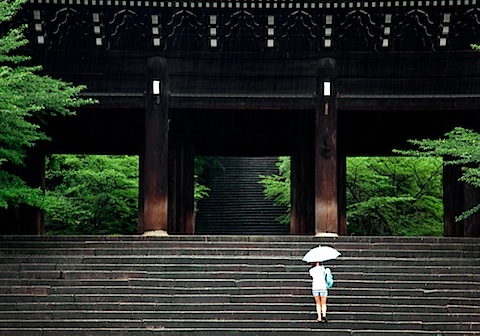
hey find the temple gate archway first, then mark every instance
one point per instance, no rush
(343, 77)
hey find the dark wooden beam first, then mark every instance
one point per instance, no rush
(409, 102)
(301, 102)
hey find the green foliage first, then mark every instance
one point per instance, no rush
(277, 187)
(206, 168)
(14, 191)
(459, 147)
(26, 100)
(98, 194)
(92, 194)
(394, 196)
(200, 191)
(385, 195)
(475, 46)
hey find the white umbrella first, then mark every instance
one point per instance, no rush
(321, 254)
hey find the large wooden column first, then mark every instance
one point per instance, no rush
(25, 219)
(342, 192)
(181, 202)
(154, 175)
(458, 197)
(302, 175)
(326, 186)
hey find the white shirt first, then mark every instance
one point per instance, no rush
(318, 277)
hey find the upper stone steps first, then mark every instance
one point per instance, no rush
(236, 202)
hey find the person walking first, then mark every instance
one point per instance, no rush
(319, 290)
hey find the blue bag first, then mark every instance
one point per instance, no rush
(328, 277)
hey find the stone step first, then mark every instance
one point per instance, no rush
(299, 242)
(309, 241)
(38, 317)
(230, 270)
(221, 332)
(306, 308)
(234, 315)
(259, 257)
(342, 280)
(255, 298)
(353, 252)
(213, 323)
(217, 289)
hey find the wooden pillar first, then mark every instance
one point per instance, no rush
(342, 193)
(452, 196)
(154, 177)
(458, 197)
(181, 203)
(302, 189)
(471, 197)
(141, 198)
(298, 218)
(24, 219)
(326, 202)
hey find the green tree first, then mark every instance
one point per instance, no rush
(26, 100)
(385, 195)
(277, 187)
(98, 194)
(92, 194)
(206, 168)
(399, 196)
(459, 147)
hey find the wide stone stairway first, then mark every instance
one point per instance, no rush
(236, 203)
(235, 286)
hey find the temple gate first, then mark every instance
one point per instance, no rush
(315, 80)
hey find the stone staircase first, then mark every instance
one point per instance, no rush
(236, 204)
(235, 285)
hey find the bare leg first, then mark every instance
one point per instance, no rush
(323, 304)
(318, 306)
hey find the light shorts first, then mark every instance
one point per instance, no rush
(319, 292)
